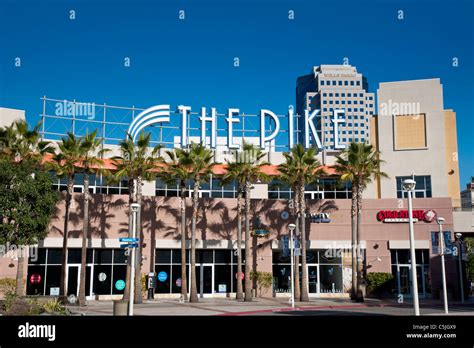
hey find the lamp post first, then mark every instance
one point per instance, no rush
(134, 208)
(292, 227)
(458, 237)
(409, 186)
(440, 221)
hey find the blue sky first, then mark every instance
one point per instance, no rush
(191, 61)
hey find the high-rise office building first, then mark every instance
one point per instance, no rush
(332, 87)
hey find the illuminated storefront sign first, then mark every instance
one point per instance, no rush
(162, 114)
(402, 215)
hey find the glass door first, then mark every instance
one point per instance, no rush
(405, 282)
(204, 279)
(313, 276)
(73, 279)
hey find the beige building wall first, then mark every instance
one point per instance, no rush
(452, 162)
(8, 116)
(413, 97)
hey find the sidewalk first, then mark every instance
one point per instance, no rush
(263, 306)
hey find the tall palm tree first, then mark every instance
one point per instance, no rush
(358, 163)
(251, 169)
(64, 164)
(202, 162)
(301, 168)
(136, 163)
(177, 170)
(90, 163)
(20, 143)
(235, 173)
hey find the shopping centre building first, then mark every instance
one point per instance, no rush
(414, 132)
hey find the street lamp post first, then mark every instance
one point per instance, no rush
(458, 236)
(292, 227)
(440, 221)
(134, 208)
(409, 186)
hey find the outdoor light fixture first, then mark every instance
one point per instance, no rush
(458, 236)
(292, 228)
(440, 222)
(134, 207)
(409, 186)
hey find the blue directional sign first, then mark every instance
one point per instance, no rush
(132, 245)
(120, 284)
(128, 240)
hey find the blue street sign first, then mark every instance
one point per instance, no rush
(126, 246)
(128, 240)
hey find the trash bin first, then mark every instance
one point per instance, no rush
(121, 307)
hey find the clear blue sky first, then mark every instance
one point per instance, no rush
(191, 62)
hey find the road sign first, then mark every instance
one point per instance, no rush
(126, 246)
(242, 275)
(128, 240)
(297, 252)
(178, 282)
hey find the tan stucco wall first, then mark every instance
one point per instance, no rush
(452, 157)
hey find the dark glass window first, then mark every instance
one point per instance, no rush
(74, 255)
(222, 276)
(119, 256)
(163, 256)
(163, 285)
(54, 256)
(204, 256)
(222, 256)
(102, 287)
(330, 256)
(103, 256)
(37, 256)
(53, 278)
(35, 280)
(120, 273)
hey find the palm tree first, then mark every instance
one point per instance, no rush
(177, 170)
(137, 164)
(20, 143)
(64, 165)
(202, 163)
(358, 163)
(90, 163)
(234, 173)
(301, 168)
(251, 168)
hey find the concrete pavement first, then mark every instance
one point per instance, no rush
(276, 306)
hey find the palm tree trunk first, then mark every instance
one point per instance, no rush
(85, 234)
(240, 294)
(63, 284)
(138, 255)
(20, 289)
(184, 276)
(304, 281)
(131, 200)
(297, 267)
(194, 296)
(248, 283)
(296, 280)
(354, 241)
(360, 296)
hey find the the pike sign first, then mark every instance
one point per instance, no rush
(161, 114)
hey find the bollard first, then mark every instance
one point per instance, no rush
(121, 307)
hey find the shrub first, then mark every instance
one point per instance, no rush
(264, 280)
(54, 307)
(7, 286)
(379, 283)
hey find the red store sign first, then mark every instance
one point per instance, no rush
(402, 215)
